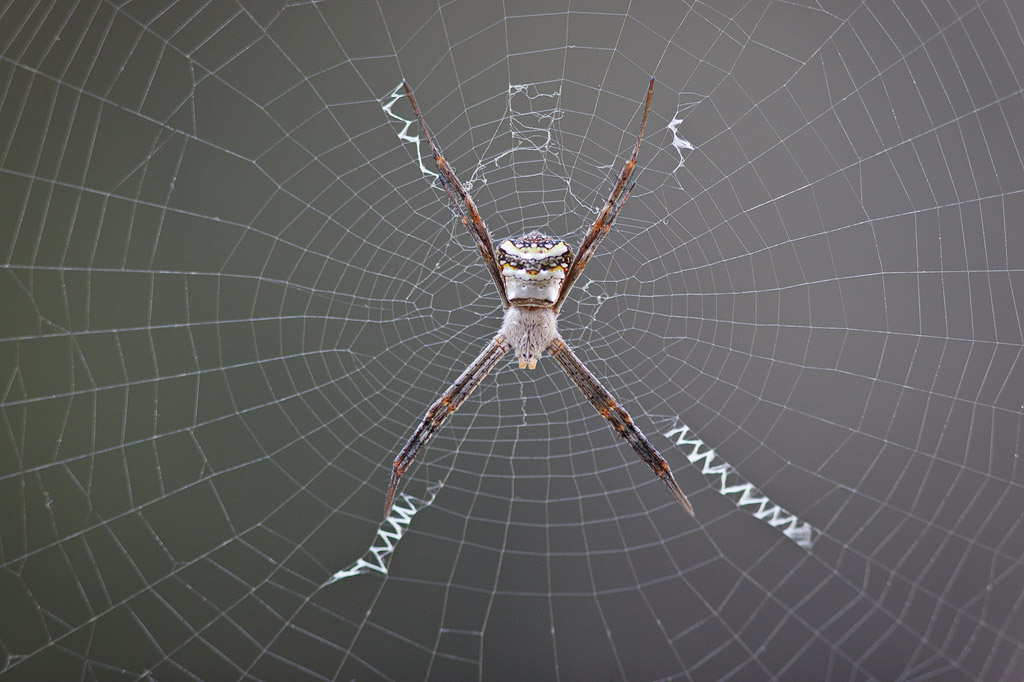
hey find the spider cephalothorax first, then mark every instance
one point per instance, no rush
(533, 275)
(533, 268)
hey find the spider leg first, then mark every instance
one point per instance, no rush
(606, 217)
(470, 215)
(616, 415)
(443, 408)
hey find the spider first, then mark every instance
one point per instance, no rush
(533, 275)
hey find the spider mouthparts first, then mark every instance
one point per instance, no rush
(522, 363)
(530, 363)
(533, 363)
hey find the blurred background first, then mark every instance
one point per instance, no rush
(231, 285)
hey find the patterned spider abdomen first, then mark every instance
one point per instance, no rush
(533, 268)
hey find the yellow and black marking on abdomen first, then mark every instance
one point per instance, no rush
(533, 268)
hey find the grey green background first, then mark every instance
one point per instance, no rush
(228, 293)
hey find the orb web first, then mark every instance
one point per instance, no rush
(232, 284)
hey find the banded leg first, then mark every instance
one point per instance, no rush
(620, 420)
(443, 408)
(470, 215)
(606, 217)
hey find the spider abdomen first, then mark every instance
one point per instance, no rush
(529, 331)
(533, 268)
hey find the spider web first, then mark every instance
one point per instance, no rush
(231, 285)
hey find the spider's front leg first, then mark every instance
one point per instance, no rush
(443, 408)
(616, 415)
